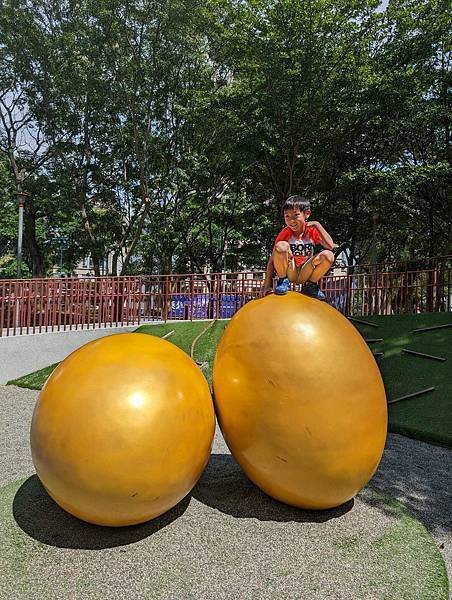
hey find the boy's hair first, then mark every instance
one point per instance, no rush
(297, 202)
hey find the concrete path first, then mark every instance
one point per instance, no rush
(226, 539)
(24, 354)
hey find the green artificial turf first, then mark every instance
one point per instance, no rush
(184, 332)
(205, 334)
(427, 417)
(35, 380)
(206, 346)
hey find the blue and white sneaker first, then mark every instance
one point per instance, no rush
(282, 286)
(312, 289)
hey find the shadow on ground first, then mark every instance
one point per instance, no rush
(225, 487)
(41, 518)
(418, 474)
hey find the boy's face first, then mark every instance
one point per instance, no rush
(295, 219)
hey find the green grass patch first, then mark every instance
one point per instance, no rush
(424, 574)
(206, 346)
(184, 335)
(184, 332)
(35, 380)
(427, 417)
(17, 551)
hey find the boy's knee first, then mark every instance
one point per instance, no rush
(282, 247)
(327, 256)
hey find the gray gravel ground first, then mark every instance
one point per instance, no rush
(225, 540)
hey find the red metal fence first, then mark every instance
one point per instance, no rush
(37, 305)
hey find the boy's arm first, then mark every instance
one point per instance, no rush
(325, 239)
(269, 273)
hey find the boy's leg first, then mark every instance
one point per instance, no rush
(282, 259)
(313, 270)
(316, 267)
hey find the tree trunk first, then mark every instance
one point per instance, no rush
(136, 236)
(449, 239)
(166, 263)
(36, 257)
(354, 223)
(92, 240)
(114, 263)
(96, 265)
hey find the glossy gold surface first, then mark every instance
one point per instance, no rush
(300, 400)
(123, 429)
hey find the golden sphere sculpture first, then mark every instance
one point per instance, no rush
(122, 429)
(300, 400)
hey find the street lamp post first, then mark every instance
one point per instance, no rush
(21, 204)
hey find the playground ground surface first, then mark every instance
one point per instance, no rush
(426, 417)
(228, 540)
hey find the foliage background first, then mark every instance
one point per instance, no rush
(168, 133)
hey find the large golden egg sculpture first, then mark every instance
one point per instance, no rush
(300, 400)
(122, 429)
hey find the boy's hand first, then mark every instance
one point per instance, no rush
(325, 239)
(314, 224)
(266, 289)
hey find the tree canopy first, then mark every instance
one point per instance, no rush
(169, 133)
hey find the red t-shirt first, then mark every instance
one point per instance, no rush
(301, 246)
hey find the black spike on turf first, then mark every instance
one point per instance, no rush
(432, 328)
(362, 322)
(422, 355)
(413, 395)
